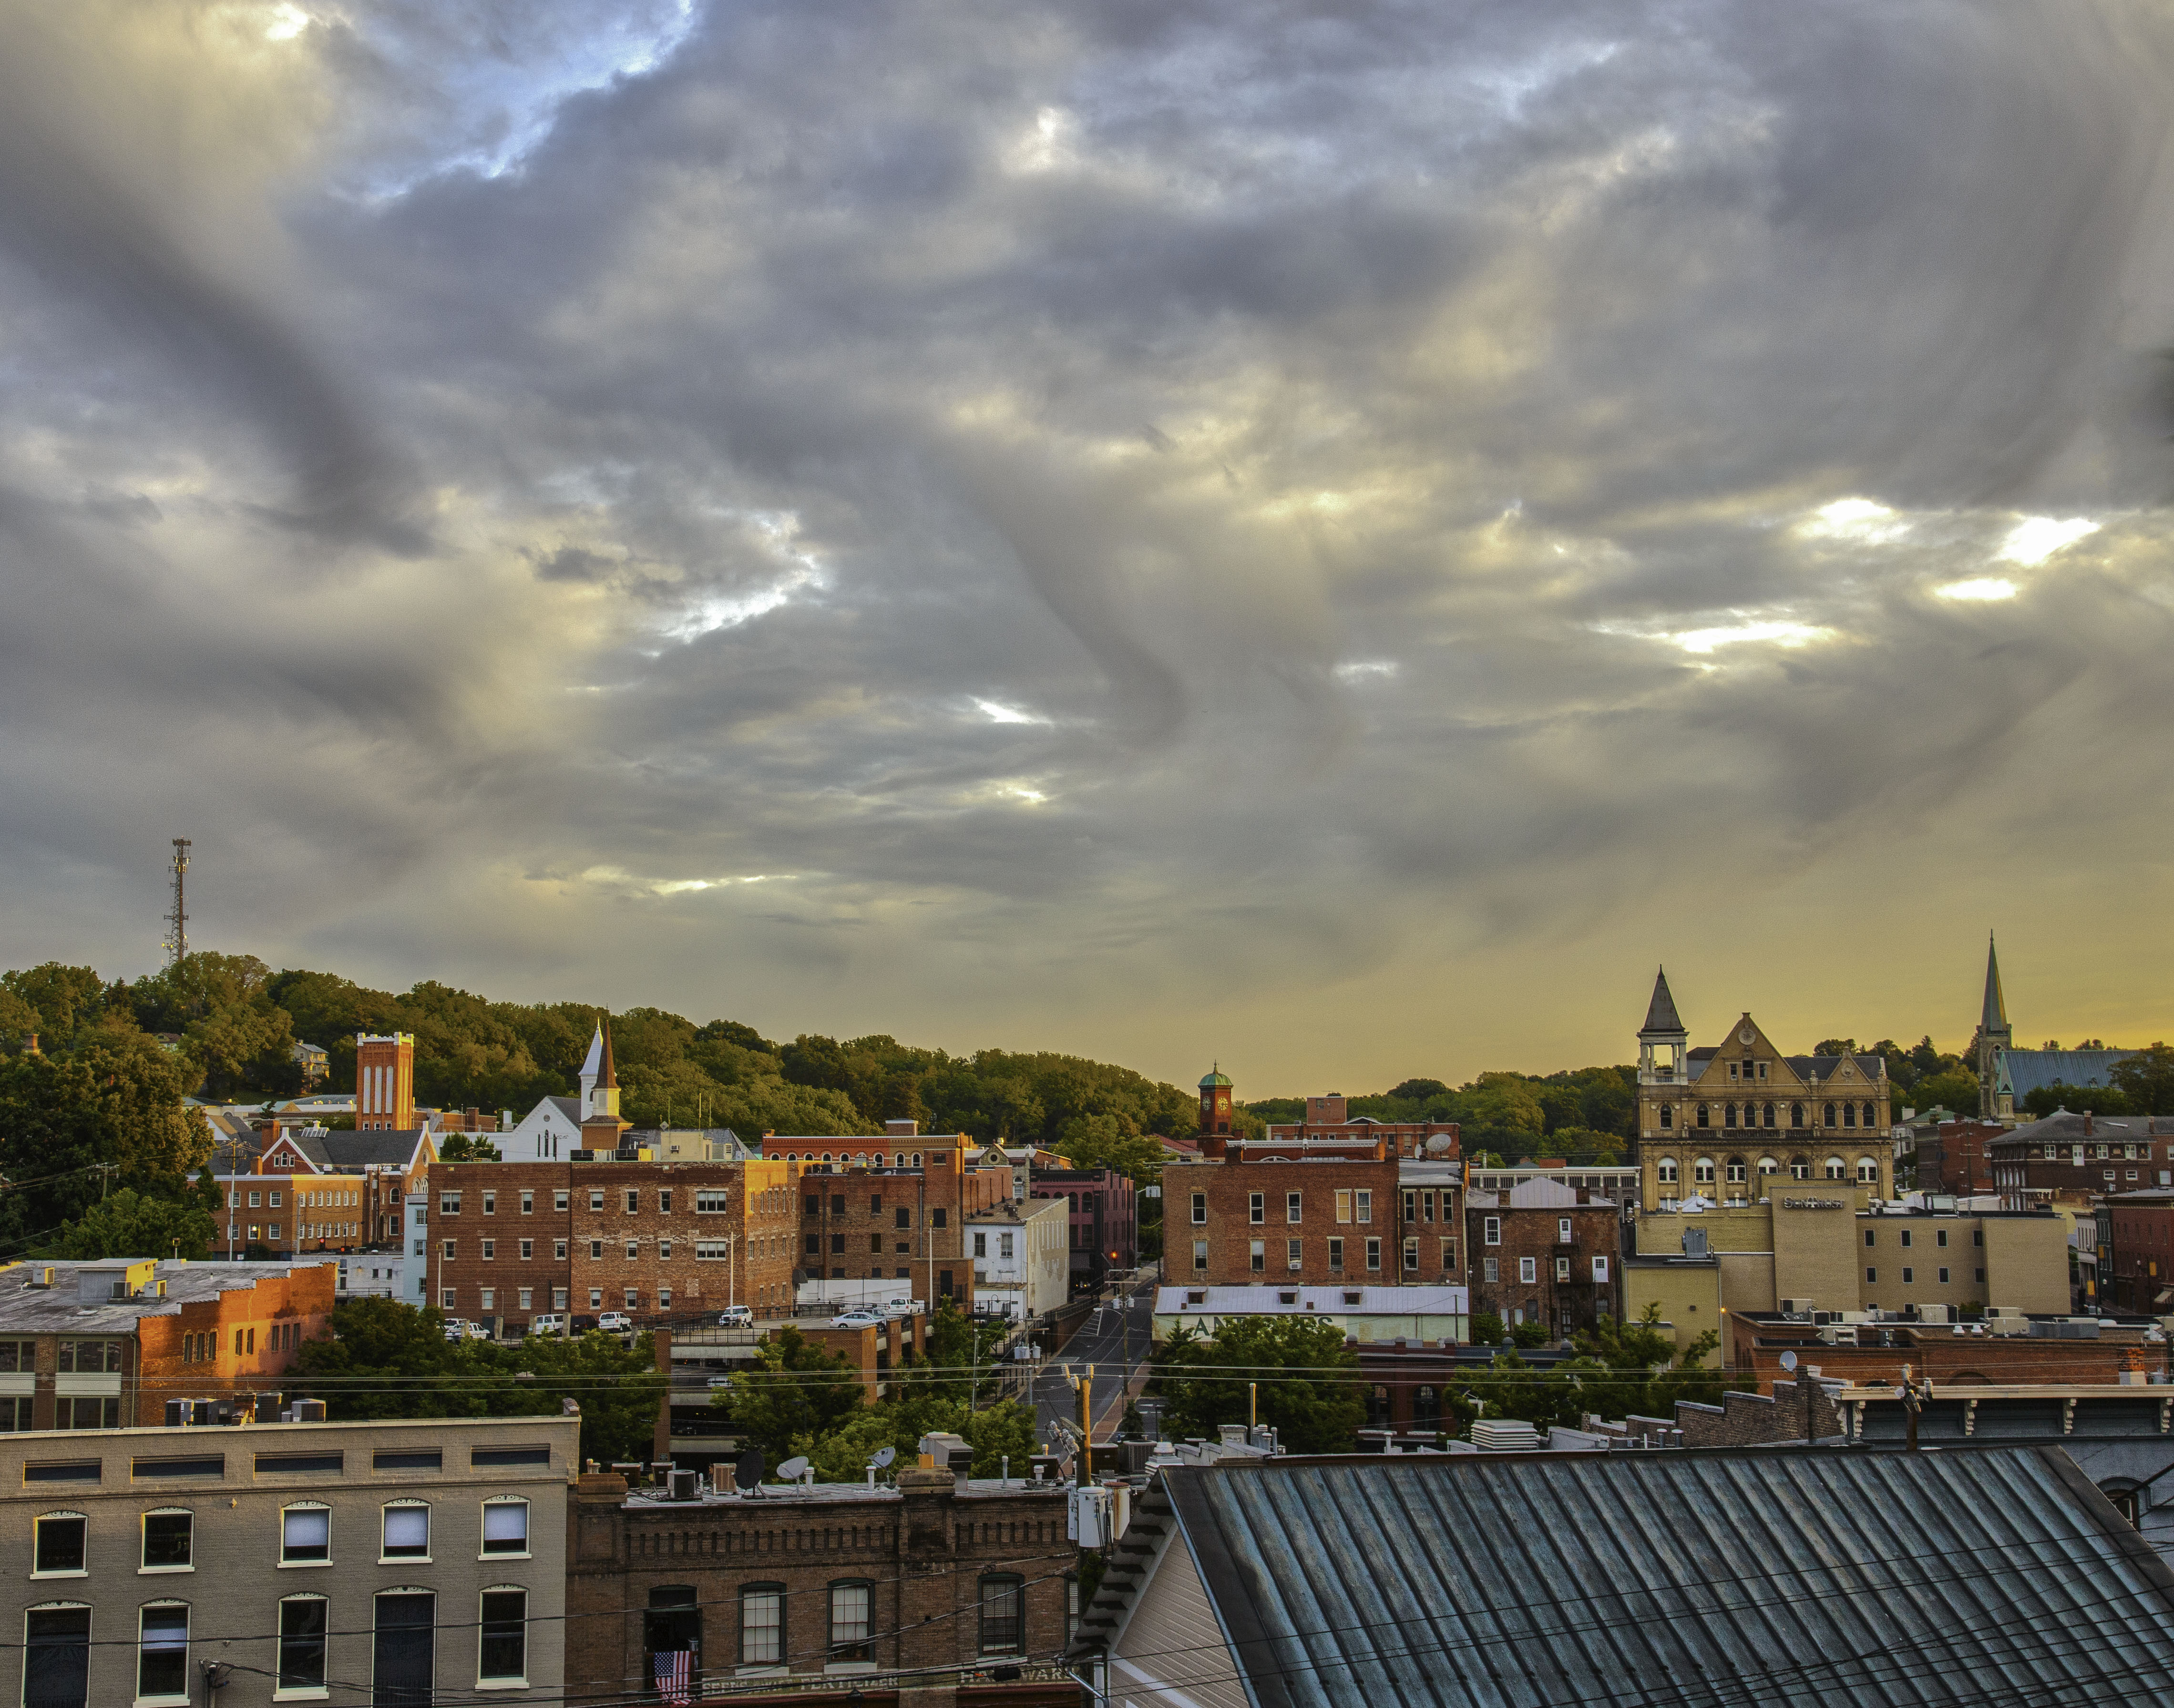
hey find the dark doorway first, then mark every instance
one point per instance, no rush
(673, 1623)
(56, 1659)
(400, 1668)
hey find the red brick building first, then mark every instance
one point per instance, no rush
(1545, 1252)
(1957, 1157)
(1753, 1343)
(511, 1241)
(2074, 1158)
(1328, 1116)
(2142, 1279)
(964, 1586)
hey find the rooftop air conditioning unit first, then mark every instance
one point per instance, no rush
(1936, 1313)
(1839, 1334)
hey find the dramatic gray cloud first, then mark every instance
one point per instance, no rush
(1331, 537)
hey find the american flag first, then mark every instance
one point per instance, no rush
(674, 1676)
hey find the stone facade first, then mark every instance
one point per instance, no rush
(1731, 1123)
(840, 1586)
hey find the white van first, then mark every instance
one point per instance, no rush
(736, 1317)
(547, 1324)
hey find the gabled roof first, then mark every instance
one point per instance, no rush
(1661, 1016)
(1531, 1581)
(2027, 1070)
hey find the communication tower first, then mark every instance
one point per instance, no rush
(177, 921)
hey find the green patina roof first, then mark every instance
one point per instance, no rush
(1213, 1077)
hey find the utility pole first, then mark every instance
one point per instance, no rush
(177, 921)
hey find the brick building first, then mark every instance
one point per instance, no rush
(1105, 1232)
(1956, 1156)
(2140, 1246)
(1945, 1354)
(1264, 1213)
(1328, 1116)
(106, 1344)
(658, 1239)
(1545, 1252)
(2072, 1159)
(311, 1190)
(965, 1586)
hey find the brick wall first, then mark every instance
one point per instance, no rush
(1338, 1206)
(2000, 1359)
(921, 1551)
(1745, 1421)
(1533, 1237)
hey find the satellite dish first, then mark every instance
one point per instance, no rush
(883, 1457)
(792, 1468)
(750, 1469)
(1789, 1360)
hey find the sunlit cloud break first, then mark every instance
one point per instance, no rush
(2038, 538)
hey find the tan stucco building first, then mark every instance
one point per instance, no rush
(1731, 1123)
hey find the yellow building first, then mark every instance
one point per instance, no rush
(1732, 1123)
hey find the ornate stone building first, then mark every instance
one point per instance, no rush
(1728, 1123)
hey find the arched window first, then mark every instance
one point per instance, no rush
(1736, 1171)
(1728, 1117)
(1667, 1115)
(1666, 1171)
(1766, 1116)
(1849, 1115)
(1829, 1119)
(1702, 1171)
(1703, 1120)
(1767, 1166)
(1869, 1120)
(1834, 1167)
(1796, 1114)
(1426, 1409)
(1868, 1171)
(1800, 1167)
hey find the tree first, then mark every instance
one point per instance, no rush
(2147, 1078)
(1418, 1090)
(387, 1359)
(1103, 1141)
(1307, 1378)
(794, 1389)
(469, 1147)
(1956, 1089)
(55, 1000)
(126, 1223)
(1835, 1046)
(2042, 1101)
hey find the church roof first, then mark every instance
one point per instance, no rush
(1995, 1017)
(2027, 1071)
(593, 1060)
(1661, 1014)
(606, 1079)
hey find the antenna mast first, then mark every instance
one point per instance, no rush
(177, 921)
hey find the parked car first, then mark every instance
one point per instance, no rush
(547, 1324)
(582, 1325)
(736, 1317)
(457, 1327)
(902, 1307)
(857, 1319)
(477, 1332)
(615, 1322)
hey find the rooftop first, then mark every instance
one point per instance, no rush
(79, 1300)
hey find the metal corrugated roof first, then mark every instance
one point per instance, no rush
(1974, 1576)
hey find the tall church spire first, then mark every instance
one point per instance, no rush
(1996, 1006)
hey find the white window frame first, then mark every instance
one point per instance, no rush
(483, 1549)
(296, 1506)
(503, 1681)
(177, 1698)
(384, 1514)
(1528, 1272)
(142, 1540)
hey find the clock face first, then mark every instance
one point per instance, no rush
(1745, 1036)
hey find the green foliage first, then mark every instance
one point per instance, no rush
(1953, 1088)
(126, 1223)
(2147, 1079)
(1574, 1111)
(469, 1147)
(1621, 1369)
(1307, 1379)
(387, 1359)
(794, 1389)
(1104, 1141)
(53, 1000)
(2100, 1100)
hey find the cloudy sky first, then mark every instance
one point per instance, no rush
(1328, 537)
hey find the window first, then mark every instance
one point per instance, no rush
(1828, 1114)
(446, 1250)
(1834, 1167)
(1258, 1255)
(57, 1656)
(936, 1217)
(596, 1250)
(1563, 1236)
(1004, 1619)
(903, 1217)
(528, 1299)
(1335, 1254)
(1905, 1239)
(1295, 1257)
(1490, 1230)
(1667, 1115)
(1490, 1269)
(849, 1623)
(1200, 1209)
(448, 1297)
(597, 1198)
(306, 1535)
(528, 1203)
(1871, 1273)
(491, 1251)
(402, 1650)
(558, 1299)
(1666, 1171)
(1868, 1171)
(762, 1625)
(558, 1250)
(407, 1531)
(490, 1203)
(1735, 1171)
(1448, 1255)
(302, 1643)
(1703, 1118)
(1977, 1238)
(1344, 1206)
(560, 1198)
(90, 1357)
(1728, 1115)
(711, 1203)
(1871, 1238)
(1768, 1166)
(506, 1527)
(633, 1201)
(1909, 1276)
(1944, 1275)
(490, 1299)
(504, 1653)
(167, 1536)
(1940, 1238)
(1765, 1110)
(1373, 1254)
(1562, 1268)
(449, 1203)
(1702, 1171)
(59, 1546)
(1364, 1200)
(1800, 1167)
(1528, 1271)
(1199, 1255)
(1257, 1207)
(162, 1655)
(1412, 1256)
(1600, 1270)
(634, 1249)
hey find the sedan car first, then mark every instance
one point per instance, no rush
(857, 1319)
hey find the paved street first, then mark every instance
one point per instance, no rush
(1114, 1341)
